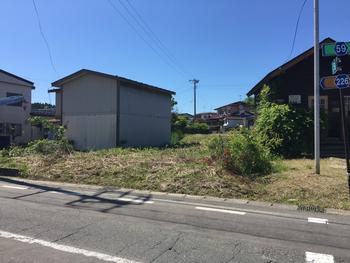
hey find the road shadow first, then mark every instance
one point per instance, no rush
(83, 200)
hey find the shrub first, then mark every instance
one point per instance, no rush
(241, 153)
(179, 122)
(197, 127)
(56, 130)
(282, 129)
(176, 137)
(45, 146)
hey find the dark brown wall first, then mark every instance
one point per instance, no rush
(299, 80)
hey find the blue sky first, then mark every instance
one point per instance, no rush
(228, 44)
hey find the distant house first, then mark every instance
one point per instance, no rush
(244, 119)
(293, 83)
(204, 116)
(235, 115)
(104, 111)
(14, 125)
(233, 108)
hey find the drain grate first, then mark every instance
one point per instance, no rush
(311, 208)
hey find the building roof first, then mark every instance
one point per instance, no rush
(232, 104)
(59, 83)
(281, 69)
(17, 77)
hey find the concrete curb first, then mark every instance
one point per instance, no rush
(179, 197)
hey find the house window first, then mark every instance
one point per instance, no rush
(323, 102)
(10, 94)
(294, 99)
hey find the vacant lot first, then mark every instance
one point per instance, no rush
(189, 169)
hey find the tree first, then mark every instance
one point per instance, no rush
(281, 128)
(41, 105)
(173, 103)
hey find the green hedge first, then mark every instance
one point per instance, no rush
(241, 153)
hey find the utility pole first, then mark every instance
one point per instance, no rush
(316, 86)
(195, 82)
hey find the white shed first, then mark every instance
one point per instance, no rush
(104, 111)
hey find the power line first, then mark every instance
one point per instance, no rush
(155, 38)
(46, 44)
(143, 38)
(44, 38)
(296, 29)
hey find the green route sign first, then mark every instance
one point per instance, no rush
(336, 49)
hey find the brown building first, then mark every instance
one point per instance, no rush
(293, 83)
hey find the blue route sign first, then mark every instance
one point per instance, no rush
(342, 81)
(341, 49)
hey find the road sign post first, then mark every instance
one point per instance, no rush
(340, 82)
(345, 135)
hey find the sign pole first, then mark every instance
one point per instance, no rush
(316, 87)
(345, 135)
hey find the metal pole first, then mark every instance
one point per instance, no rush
(195, 81)
(316, 86)
(345, 136)
(194, 100)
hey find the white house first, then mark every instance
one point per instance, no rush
(104, 111)
(244, 119)
(14, 124)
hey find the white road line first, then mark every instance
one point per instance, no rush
(317, 220)
(312, 257)
(14, 187)
(54, 192)
(64, 248)
(136, 201)
(220, 210)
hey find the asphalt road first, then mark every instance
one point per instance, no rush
(59, 223)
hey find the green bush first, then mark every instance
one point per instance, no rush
(179, 123)
(45, 146)
(283, 129)
(241, 153)
(57, 130)
(49, 147)
(197, 128)
(176, 137)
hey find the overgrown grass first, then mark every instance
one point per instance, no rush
(189, 169)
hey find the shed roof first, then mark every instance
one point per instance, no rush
(19, 78)
(59, 83)
(287, 65)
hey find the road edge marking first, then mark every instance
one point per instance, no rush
(64, 248)
(312, 257)
(14, 187)
(317, 220)
(219, 210)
